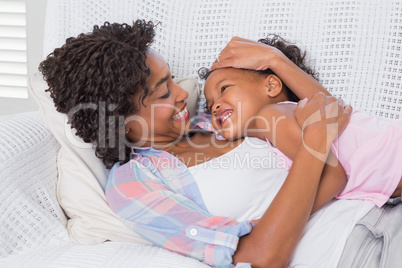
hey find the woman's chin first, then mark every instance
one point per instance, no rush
(183, 126)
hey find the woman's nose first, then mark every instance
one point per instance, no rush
(181, 93)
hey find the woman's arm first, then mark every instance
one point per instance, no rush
(248, 54)
(285, 134)
(277, 233)
(275, 236)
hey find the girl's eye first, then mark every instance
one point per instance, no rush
(166, 95)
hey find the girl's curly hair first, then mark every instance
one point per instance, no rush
(93, 78)
(291, 51)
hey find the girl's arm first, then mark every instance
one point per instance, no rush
(281, 128)
(274, 238)
(248, 54)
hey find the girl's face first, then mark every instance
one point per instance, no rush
(234, 97)
(164, 118)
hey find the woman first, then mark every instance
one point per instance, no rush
(155, 193)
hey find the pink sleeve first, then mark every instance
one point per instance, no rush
(283, 161)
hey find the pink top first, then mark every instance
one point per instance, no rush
(370, 151)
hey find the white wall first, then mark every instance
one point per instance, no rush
(36, 10)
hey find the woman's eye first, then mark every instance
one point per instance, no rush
(224, 88)
(166, 95)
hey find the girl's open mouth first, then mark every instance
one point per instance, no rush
(224, 116)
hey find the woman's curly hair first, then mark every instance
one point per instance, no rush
(291, 51)
(93, 78)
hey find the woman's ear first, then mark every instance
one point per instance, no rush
(273, 85)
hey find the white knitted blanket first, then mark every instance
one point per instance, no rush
(354, 45)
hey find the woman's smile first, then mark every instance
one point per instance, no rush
(182, 115)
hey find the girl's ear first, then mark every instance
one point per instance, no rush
(273, 85)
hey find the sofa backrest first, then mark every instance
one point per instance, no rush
(356, 46)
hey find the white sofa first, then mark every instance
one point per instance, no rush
(356, 47)
(32, 224)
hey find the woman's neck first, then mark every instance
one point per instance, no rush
(159, 145)
(164, 144)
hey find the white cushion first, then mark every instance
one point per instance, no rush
(82, 176)
(30, 215)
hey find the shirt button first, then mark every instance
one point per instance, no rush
(193, 232)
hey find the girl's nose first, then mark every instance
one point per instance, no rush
(215, 108)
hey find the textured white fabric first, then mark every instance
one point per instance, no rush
(30, 216)
(106, 255)
(33, 226)
(354, 45)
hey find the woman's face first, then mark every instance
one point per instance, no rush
(164, 116)
(234, 97)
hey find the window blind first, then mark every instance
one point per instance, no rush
(13, 49)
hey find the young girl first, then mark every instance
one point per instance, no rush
(257, 103)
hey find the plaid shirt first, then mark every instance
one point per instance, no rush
(157, 197)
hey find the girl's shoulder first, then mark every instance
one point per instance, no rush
(288, 102)
(278, 124)
(276, 110)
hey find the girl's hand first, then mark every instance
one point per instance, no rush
(246, 54)
(322, 119)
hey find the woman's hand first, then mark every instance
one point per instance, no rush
(322, 119)
(246, 54)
